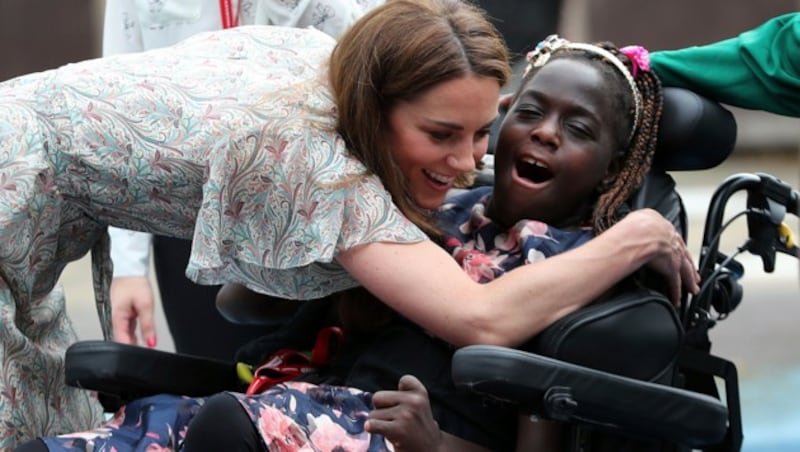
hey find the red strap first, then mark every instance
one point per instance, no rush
(321, 353)
(229, 19)
(287, 364)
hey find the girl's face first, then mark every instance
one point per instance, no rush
(555, 146)
(442, 134)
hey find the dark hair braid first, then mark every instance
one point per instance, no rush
(638, 152)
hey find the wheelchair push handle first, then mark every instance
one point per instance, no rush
(779, 192)
(768, 201)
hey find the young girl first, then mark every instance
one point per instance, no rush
(294, 177)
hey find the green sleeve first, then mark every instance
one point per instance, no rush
(759, 69)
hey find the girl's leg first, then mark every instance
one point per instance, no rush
(32, 446)
(222, 424)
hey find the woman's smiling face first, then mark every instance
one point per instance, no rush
(441, 134)
(555, 146)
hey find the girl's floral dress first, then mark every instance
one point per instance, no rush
(486, 250)
(290, 417)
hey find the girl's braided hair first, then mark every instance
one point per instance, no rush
(637, 117)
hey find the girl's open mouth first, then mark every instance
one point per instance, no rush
(533, 170)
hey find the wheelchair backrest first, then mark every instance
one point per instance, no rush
(636, 332)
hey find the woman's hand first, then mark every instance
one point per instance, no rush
(132, 303)
(404, 417)
(670, 257)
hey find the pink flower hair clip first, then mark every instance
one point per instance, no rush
(639, 56)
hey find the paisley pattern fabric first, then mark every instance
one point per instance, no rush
(226, 138)
(33, 397)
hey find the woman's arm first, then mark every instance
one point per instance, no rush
(423, 283)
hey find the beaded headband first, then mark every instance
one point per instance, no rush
(638, 55)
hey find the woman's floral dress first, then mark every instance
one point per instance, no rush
(226, 139)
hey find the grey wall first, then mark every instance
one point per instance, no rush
(43, 34)
(680, 23)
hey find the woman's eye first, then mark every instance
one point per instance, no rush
(440, 136)
(483, 133)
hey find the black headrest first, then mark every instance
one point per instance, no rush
(695, 132)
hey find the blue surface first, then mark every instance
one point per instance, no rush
(771, 411)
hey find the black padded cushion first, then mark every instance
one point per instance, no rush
(658, 192)
(635, 333)
(694, 133)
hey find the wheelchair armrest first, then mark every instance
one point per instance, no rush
(128, 372)
(576, 394)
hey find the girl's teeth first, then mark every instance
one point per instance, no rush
(534, 162)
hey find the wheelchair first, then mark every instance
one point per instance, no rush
(627, 373)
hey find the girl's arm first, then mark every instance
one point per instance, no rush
(540, 434)
(423, 283)
(404, 417)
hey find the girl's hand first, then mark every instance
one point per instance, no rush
(404, 417)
